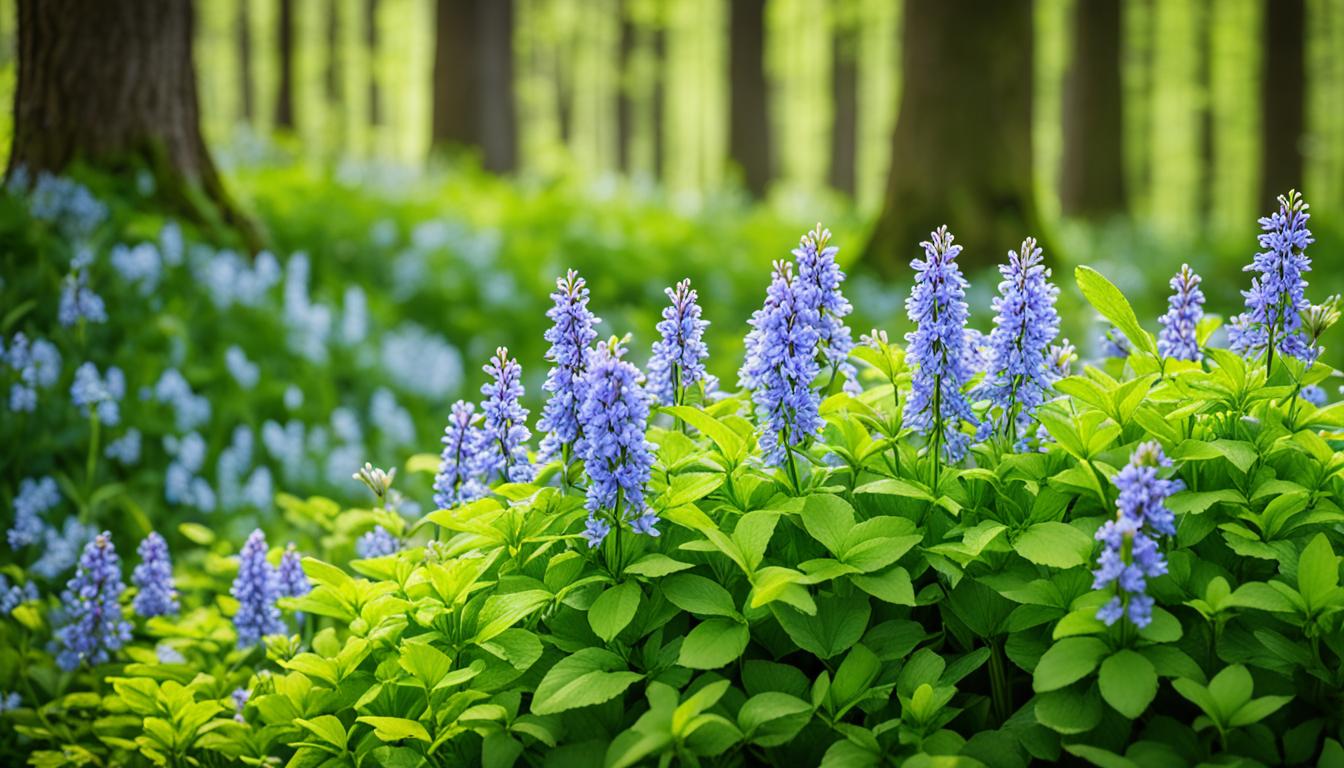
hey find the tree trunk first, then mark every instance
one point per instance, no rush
(284, 93)
(659, 35)
(371, 44)
(473, 80)
(625, 107)
(845, 92)
(1092, 171)
(961, 152)
(1204, 76)
(245, 60)
(332, 74)
(749, 121)
(113, 84)
(1282, 95)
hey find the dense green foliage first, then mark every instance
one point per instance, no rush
(857, 615)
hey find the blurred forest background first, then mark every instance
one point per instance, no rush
(1139, 133)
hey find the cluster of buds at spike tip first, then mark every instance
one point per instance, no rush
(376, 480)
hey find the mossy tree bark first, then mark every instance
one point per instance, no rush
(1282, 99)
(1092, 171)
(113, 84)
(473, 81)
(748, 118)
(961, 152)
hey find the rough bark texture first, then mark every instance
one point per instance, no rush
(113, 84)
(961, 153)
(284, 92)
(1282, 96)
(845, 92)
(473, 80)
(749, 122)
(1092, 170)
(245, 60)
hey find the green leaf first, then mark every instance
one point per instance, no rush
(1058, 545)
(325, 727)
(699, 595)
(425, 663)
(1317, 573)
(771, 719)
(1112, 304)
(1256, 710)
(656, 564)
(1075, 709)
(828, 519)
(891, 586)
(837, 625)
(1068, 661)
(1128, 683)
(729, 442)
(395, 728)
(589, 676)
(1231, 688)
(692, 486)
(613, 610)
(713, 643)
(503, 611)
(1102, 758)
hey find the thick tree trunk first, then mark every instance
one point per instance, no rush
(961, 153)
(245, 60)
(1092, 172)
(113, 84)
(749, 121)
(845, 92)
(659, 35)
(473, 80)
(284, 93)
(1282, 96)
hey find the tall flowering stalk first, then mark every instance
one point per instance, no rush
(1185, 308)
(456, 481)
(256, 589)
(91, 603)
(290, 578)
(1272, 320)
(678, 357)
(504, 433)
(1025, 325)
(780, 367)
(820, 278)
(935, 351)
(153, 579)
(618, 459)
(1129, 555)
(571, 337)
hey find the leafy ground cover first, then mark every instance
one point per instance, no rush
(774, 542)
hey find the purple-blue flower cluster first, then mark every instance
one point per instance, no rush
(678, 356)
(502, 454)
(94, 627)
(99, 393)
(1272, 320)
(1130, 555)
(614, 416)
(1185, 308)
(256, 589)
(1025, 325)
(35, 497)
(820, 278)
(153, 579)
(456, 480)
(78, 301)
(781, 365)
(935, 349)
(289, 576)
(571, 336)
(377, 543)
(37, 364)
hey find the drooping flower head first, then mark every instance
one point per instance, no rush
(94, 627)
(504, 432)
(820, 278)
(781, 365)
(256, 588)
(290, 578)
(36, 495)
(153, 579)
(678, 356)
(571, 336)
(1025, 325)
(1185, 308)
(1130, 555)
(1272, 320)
(935, 349)
(618, 459)
(456, 481)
